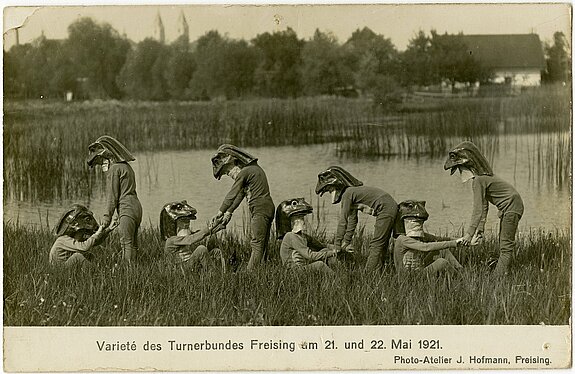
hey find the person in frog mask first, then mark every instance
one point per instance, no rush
(487, 188)
(416, 250)
(354, 197)
(78, 234)
(121, 193)
(250, 182)
(182, 242)
(299, 250)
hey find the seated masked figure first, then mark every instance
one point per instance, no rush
(182, 243)
(78, 234)
(298, 250)
(416, 250)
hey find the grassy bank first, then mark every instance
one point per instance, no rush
(155, 293)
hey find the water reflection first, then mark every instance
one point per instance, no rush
(292, 172)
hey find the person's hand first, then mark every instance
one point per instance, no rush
(459, 241)
(477, 239)
(226, 218)
(465, 240)
(216, 225)
(216, 219)
(112, 226)
(105, 221)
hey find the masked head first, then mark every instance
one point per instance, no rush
(77, 220)
(175, 216)
(409, 211)
(288, 209)
(108, 148)
(335, 180)
(468, 155)
(227, 156)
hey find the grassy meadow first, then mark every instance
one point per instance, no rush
(61, 132)
(155, 293)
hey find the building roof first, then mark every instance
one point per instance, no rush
(506, 51)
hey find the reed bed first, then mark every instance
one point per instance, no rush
(45, 144)
(154, 293)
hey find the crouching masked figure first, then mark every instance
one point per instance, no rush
(354, 197)
(298, 250)
(250, 181)
(121, 191)
(78, 234)
(182, 243)
(415, 250)
(487, 188)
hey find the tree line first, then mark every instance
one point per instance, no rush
(95, 61)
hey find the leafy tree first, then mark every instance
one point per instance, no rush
(558, 59)
(416, 61)
(224, 67)
(451, 61)
(142, 77)
(97, 53)
(372, 57)
(278, 71)
(322, 70)
(179, 68)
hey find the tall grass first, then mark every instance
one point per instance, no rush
(45, 144)
(154, 293)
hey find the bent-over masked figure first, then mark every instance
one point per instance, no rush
(412, 250)
(182, 243)
(299, 250)
(121, 190)
(487, 188)
(77, 235)
(354, 197)
(250, 181)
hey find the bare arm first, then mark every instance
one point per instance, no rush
(417, 245)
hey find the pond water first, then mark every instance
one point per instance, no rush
(292, 172)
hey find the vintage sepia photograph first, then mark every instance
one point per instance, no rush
(387, 185)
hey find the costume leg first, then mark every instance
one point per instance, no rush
(260, 235)
(379, 242)
(127, 228)
(319, 266)
(446, 254)
(199, 256)
(75, 260)
(507, 230)
(437, 266)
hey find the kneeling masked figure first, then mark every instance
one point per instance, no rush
(78, 235)
(415, 250)
(182, 243)
(299, 250)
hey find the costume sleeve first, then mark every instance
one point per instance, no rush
(351, 225)
(189, 239)
(113, 192)
(313, 243)
(73, 245)
(342, 222)
(236, 194)
(301, 247)
(417, 245)
(480, 207)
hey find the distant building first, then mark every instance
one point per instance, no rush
(183, 28)
(159, 33)
(515, 59)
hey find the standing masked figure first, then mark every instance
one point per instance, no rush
(78, 234)
(487, 188)
(182, 242)
(298, 249)
(250, 181)
(354, 197)
(416, 250)
(121, 191)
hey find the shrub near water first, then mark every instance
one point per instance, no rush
(156, 293)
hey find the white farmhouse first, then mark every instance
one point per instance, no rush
(515, 59)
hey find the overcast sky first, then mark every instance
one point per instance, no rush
(397, 22)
